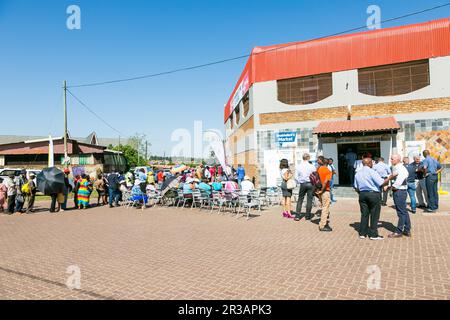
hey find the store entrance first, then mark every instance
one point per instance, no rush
(360, 149)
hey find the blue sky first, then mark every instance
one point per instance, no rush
(120, 39)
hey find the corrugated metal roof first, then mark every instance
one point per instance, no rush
(347, 52)
(360, 125)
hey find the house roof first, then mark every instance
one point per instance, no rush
(344, 52)
(360, 125)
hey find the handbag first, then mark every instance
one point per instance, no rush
(291, 184)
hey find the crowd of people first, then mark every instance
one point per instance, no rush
(373, 179)
(111, 188)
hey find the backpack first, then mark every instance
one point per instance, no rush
(25, 188)
(314, 178)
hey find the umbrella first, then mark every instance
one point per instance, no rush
(50, 180)
(169, 183)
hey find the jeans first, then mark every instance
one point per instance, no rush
(421, 193)
(433, 196)
(305, 189)
(404, 223)
(370, 206)
(19, 204)
(53, 204)
(412, 194)
(113, 196)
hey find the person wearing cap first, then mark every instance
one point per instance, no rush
(32, 195)
(247, 186)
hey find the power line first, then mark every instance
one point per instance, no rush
(94, 113)
(248, 55)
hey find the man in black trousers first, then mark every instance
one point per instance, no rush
(368, 184)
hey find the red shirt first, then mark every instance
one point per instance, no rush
(160, 176)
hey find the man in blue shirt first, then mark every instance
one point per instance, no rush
(240, 174)
(431, 169)
(384, 171)
(368, 184)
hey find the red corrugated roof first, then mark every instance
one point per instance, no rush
(362, 125)
(346, 52)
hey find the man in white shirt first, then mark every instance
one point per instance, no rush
(399, 188)
(247, 186)
(302, 173)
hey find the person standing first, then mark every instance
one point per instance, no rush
(84, 193)
(113, 189)
(286, 175)
(11, 193)
(431, 169)
(100, 186)
(67, 188)
(399, 188)
(368, 184)
(32, 193)
(411, 182)
(351, 157)
(332, 168)
(21, 180)
(421, 185)
(3, 195)
(76, 186)
(384, 171)
(324, 194)
(240, 174)
(303, 171)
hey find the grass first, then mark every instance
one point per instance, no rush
(41, 197)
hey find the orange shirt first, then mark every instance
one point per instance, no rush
(325, 174)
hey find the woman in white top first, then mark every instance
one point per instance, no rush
(286, 174)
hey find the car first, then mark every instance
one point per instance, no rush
(6, 172)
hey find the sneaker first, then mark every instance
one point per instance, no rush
(297, 217)
(407, 234)
(376, 238)
(430, 211)
(362, 237)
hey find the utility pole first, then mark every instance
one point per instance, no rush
(65, 124)
(146, 149)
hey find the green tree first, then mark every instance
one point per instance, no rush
(130, 151)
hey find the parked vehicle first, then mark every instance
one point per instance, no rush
(6, 172)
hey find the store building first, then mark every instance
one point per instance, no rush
(380, 91)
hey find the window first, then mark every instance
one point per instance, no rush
(305, 90)
(394, 79)
(237, 113)
(231, 121)
(246, 103)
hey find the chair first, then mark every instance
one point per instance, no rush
(126, 198)
(197, 198)
(245, 204)
(217, 201)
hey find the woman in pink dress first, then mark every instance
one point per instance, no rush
(3, 192)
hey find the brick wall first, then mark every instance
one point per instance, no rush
(379, 109)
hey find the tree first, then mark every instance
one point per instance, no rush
(130, 151)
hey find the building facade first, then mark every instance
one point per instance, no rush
(379, 91)
(84, 157)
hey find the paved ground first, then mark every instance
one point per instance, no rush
(165, 253)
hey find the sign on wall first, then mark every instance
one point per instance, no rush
(240, 92)
(414, 148)
(286, 139)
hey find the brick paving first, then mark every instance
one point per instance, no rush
(166, 253)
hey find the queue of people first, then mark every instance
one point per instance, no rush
(373, 180)
(17, 194)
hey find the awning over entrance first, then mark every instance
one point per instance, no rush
(362, 125)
